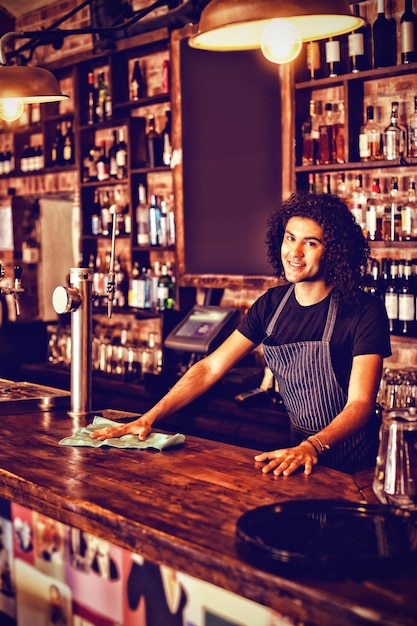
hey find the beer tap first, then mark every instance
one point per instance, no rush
(77, 299)
(115, 209)
(16, 290)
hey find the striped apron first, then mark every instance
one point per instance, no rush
(313, 397)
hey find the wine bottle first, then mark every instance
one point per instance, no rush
(121, 156)
(153, 144)
(102, 164)
(142, 218)
(408, 25)
(406, 302)
(91, 99)
(57, 146)
(392, 138)
(166, 140)
(313, 59)
(324, 152)
(68, 156)
(309, 137)
(383, 34)
(333, 56)
(369, 138)
(412, 131)
(409, 214)
(112, 156)
(358, 202)
(391, 298)
(137, 82)
(154, 220)
(359, 46)
(374, 212)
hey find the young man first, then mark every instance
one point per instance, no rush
(324, 340)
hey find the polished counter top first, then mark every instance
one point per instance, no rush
(181, 506)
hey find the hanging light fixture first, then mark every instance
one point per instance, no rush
(21, 84)
(277, 27)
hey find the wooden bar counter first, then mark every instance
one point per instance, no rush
(180, 506)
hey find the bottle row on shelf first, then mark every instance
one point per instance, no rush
(39, 152)
(108, 158)
(155, 219)
(113, 352)
(395, 282)
(99, 91)
(385, 208)
(323, 135)
(372, 46)
(150, 289)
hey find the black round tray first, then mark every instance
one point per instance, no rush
(335, 538)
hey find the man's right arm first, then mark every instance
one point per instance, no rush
(196, 381)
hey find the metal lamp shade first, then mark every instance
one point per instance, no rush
(239, 24)
(30, 84)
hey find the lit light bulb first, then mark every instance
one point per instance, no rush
(281, 41)
(11, 109)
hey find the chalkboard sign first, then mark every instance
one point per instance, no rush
(231, 121)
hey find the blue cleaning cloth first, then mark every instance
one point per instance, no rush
(157, 441)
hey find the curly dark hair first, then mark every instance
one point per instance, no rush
(346, 249)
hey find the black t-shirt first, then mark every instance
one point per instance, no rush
(359, 329)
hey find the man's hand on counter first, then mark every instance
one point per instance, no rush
(138, 427)
(287, 460)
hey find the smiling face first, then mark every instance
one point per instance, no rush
(302, 251)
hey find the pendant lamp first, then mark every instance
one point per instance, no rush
(227, 25)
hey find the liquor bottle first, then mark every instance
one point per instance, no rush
(154, 220)
(408, 25)
(91, 99)
(359, 46)
(96, 214)
(326, 184)
(165, 297)
(102, 164)
(166, 140)
(358, 202)
(132, 295)
(103, 107)
(383, 35)
(68, 156)
(165, 78)
(57, 146)
(374, 212)
(106, 218)
(142, 218)
(339, 133)
(121, 156)
(412, 132)
(392, 137)
(112, 156)
(324, 152)
(153, 144)
(369, 138)
(144, 289)
(409, 214)
(311, 183)
(313, 58)
(391, 226)
(137, 82)
(384, 277)
(406, 302)
(309, 137)
(371, 283)
(391, 298)
(332, 48)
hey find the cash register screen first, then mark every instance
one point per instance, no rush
(203, 329)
